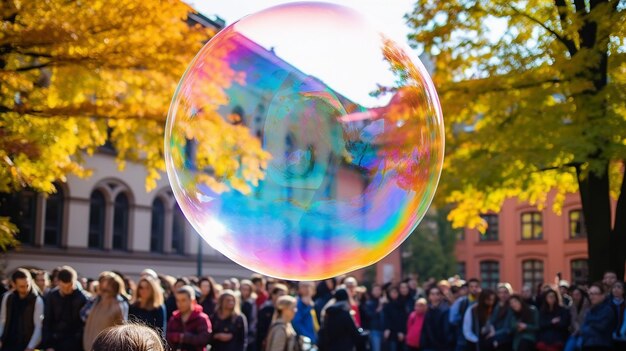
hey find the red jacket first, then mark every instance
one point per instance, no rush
(197, 331)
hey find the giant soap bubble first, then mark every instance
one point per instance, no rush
(303, 143)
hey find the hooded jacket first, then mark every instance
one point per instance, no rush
(192, 335)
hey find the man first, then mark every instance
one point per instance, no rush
(42, 280)
(261, 293)
(457, 311)
(189, 329)
(564, 290)
(264, 318)
(21, 314)
(62, 325)
(305, 320)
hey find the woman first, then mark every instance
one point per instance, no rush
(554, 322)
(128, 337)
(107, 310)
(477, 328)
(578, 310)
(149, 306)
(249, 309)
(501, 319)
(597, 329)
(394, 320)
(208, 295)
(436, 331)
(229, 325)
(373, 313)
(281, 335)
(339, 331)
(524, 324)
(414, 325)
(617, 299)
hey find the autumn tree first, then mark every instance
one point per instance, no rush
(77, 74)
(534, 97)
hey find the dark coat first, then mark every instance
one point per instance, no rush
(197, 331)
(436, 331)
(395, 317)
(339, 331)
(62, 325)
(597, 329)
(553, 334)
(372, 317)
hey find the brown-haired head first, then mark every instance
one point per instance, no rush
(128, 337)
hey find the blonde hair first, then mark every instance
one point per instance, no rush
(220, 303)
(283, 303)
(117, 283)
(156, 297)
(129, 337)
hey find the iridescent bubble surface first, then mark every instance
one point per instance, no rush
(303, 143)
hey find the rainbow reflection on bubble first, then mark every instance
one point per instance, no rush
(302, 143)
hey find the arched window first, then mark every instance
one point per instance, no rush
(53, 227)
(178, 231)
(97, 211)
(157, 228)
(532, 273)
(21, 207)
(580, 271)
(121, 211)
(489, 274)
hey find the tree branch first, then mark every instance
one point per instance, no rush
(29, 68)
(503, 87)
(569, 44)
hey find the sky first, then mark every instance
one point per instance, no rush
(350, 64)
(388, 13)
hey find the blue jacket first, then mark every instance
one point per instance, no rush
(436, 330)
(375, 319)
(597, 329)
(457, 312)
(303, 321)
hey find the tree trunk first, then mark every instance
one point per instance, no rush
(596, 206)
(618, 235)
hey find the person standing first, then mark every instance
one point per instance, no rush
(281, 335)
(264, 318)
(305, 320)
(618, 305)
(415, 323)
(554, 322)
(21, 314)
(436, 331)
(149, 306)
(109, 308)
(208, 295)
(62, 325)
(477, 328)
(248, 308)
(339, 331)
(501, 319)
(525, 323)
(578, 311)
(597, 329)
(230, 327)
(373, 314)
(458, 309)
(394, 320)
(189, 329)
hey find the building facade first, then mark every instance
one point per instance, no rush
(527, 246)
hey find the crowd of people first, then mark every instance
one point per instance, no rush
(60, 312)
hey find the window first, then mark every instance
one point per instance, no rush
(532, 273)
(53, 226)
(532, 227)
(577, 227)
(157, 228)
(460, 269)
(580, 271)
(96, 220)
(21, 207)
(489, 274)
(178, 231)
(121, 211)
(492, 228)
